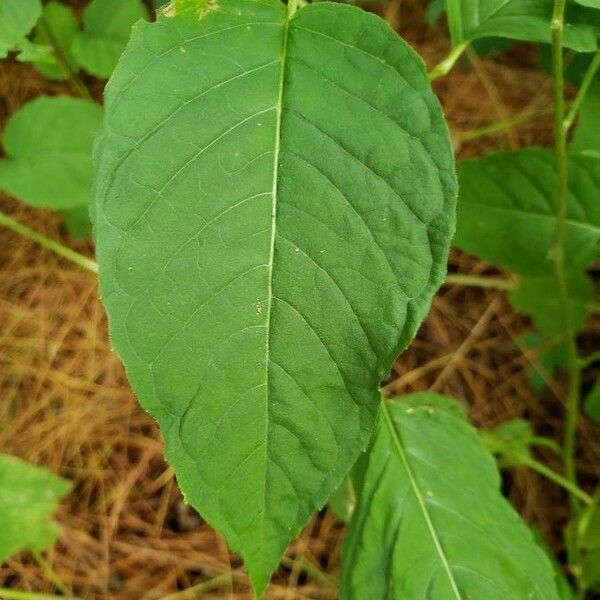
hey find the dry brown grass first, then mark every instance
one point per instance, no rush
(65, 402)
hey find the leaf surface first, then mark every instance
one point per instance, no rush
(506, 210)
(270, 230)
(17, 19)
(430, 520)
(106, 29)
(28, 497)
(48, 143)
(526, 20)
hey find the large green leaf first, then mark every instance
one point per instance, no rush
(430, 521)
(106, 28)
(270, 229)
(48, 144)
(17, 18)
(527, 20)
(506, 210)
(28, 497)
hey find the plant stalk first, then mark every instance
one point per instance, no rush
(494, 283)
(557, 254)
(445, 66)
(561, 481)
(8, 594)
(75, 257)
(583, 89)
(49, 573)
(76, 83)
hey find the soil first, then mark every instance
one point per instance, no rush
(65, 402)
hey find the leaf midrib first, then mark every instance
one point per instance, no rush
(420, 498)
(270, 296)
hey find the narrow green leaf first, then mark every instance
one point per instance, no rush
(17, 19)
(592, 402)
(430, 521)
(48, 144)
(536, 297)
(586, 138)
(270, 230)
(28, 497)
(106, 29)
(506, 210)
(525, 20)
(59, 27)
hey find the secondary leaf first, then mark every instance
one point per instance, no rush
(17, 19)
(28, 497)
(526, 20)
(59, 27)
(430, 521)
(506, 210)
(592, 402)
(586, 138)
(270, 230)
(537, 297)
(48, 144)
(106, 29)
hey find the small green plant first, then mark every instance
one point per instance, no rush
(274, 200)
(28, 497)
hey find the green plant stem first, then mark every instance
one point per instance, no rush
(494, 283)
(7, 594)
(79, 259)
(557, 255)
(444, 67)
(590, 359)
(583, 88)
(49, 573)
(62, 61)
(499, 126)
(561, 481)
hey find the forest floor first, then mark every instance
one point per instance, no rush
(65, 402)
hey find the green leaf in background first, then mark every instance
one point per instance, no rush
(430, 520)
(525, 20)
(48, 147)
(592, 402)
(589, 530)
(77, 220)
(106, 29)
(28, 497)
(17, 19)
(58, 26)
(270, 230)
(506, 210)
(586, 138)
(510, 442)
(590, 3)
(537, 297)
(550, 356)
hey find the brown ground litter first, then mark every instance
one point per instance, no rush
(65, 402)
